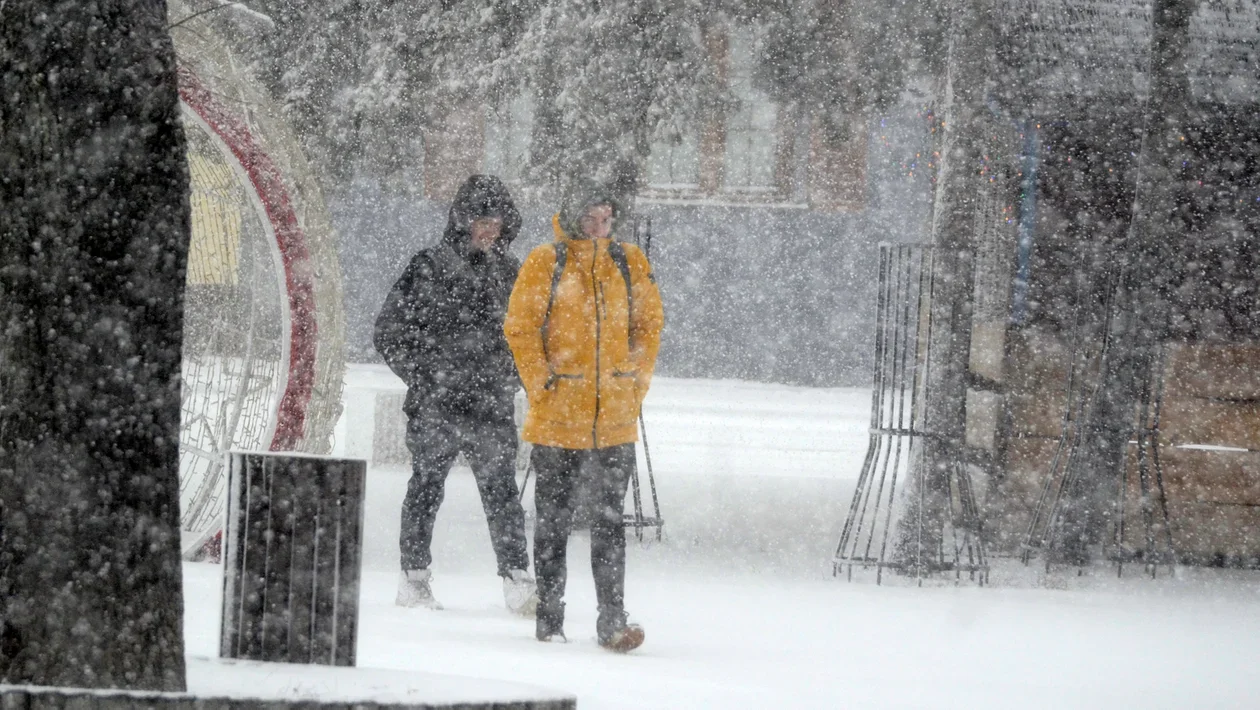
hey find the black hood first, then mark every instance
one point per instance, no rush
(481, 196)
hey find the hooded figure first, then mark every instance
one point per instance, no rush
(441, 331)
(584, 323)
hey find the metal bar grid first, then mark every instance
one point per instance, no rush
(873, 535)
(642, 229)
(1150, 482)
(1042, 524)
(1046, 526)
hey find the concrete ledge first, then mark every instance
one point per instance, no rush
(215, 684)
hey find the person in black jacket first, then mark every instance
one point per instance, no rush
(441, 331)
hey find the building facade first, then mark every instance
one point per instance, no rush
(764, 233)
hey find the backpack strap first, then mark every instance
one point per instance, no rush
(562, 257)
(617, 251)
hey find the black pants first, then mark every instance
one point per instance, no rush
(490, 448)
(605, 472)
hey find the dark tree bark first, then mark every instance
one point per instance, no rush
(94, 227)
(1139, 318)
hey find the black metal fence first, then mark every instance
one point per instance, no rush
(890, 522)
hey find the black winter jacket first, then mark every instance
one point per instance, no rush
(441, 328)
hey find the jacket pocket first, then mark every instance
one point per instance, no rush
(556, 377)
(621, 397)
(627, 375)
(560, 393)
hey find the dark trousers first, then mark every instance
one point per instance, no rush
(490, 448)
(605, 474)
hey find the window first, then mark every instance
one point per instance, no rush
(750, 129)
(508, 130)
(675, 164)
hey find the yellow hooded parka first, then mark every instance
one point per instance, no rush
(586, 376)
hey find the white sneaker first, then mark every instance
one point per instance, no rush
(414, 589)
(520, 593)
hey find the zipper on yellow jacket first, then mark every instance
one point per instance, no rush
(595, 294)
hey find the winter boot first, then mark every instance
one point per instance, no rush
(616, 633)
(414, 589)
(549, 627)
(520, 593)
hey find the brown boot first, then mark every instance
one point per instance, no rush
(616, 633)
(625, 639)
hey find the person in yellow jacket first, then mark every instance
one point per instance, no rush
(584, 325)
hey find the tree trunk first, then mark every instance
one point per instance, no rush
(548, 130)
(94, 228)
(970, 42)
(1138, 321)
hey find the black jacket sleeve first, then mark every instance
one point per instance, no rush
(512, 268)
(400, 335)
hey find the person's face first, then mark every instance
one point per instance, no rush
(597, 222)
(485, 232)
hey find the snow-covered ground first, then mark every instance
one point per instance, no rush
(741, 610)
